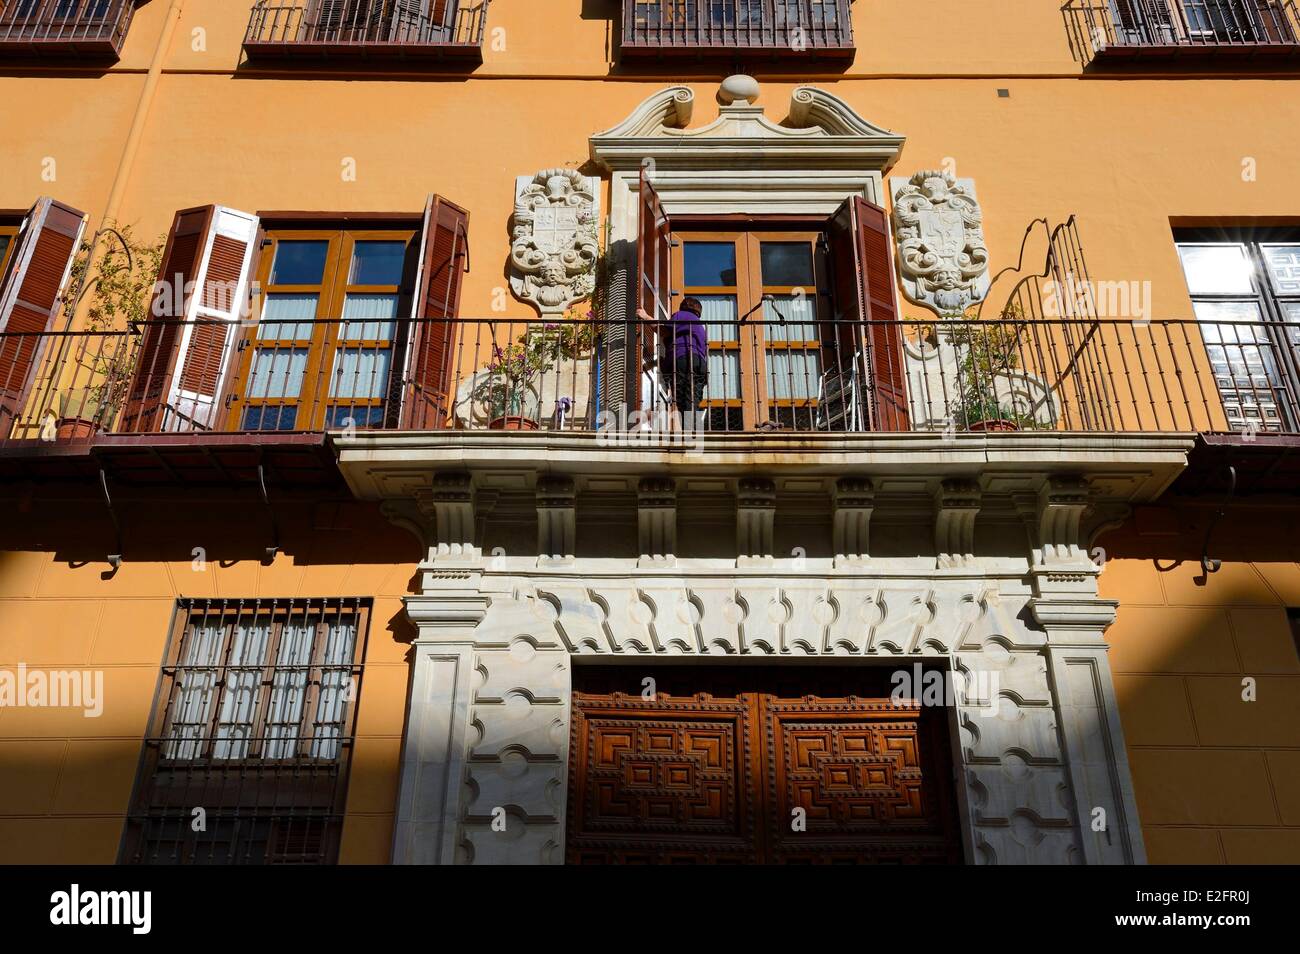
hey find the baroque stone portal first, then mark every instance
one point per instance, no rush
(554, 246)
(939, 235)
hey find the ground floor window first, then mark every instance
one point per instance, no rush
(248, 753)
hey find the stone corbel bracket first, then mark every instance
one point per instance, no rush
(853, 500)
(442, 517)
(657, 521)
(755, 521)
(956, 505)
(556, 520)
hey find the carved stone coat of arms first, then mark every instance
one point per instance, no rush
(939, 236)
(554, 244)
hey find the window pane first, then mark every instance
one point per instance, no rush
(299, 263)
(377, 263)
(288, 690)
(724, 376)
(798, 312)
(360, 373)
(1216, 269)
(276, 308)
(357, 308)
(710, 264)
(345, 415)
(793, 374)
(1283, 267)
(277, 373)
(196, 689)
(719, 315)
(1243, 362)
(4, 245)
(336, 676)
(274, 417)
(787, 263)
(243, 686)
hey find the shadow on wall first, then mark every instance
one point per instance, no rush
(1207, 674)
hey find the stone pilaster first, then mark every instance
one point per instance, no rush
(755, 521)
(427, 829)
(853, 500)
(1068, 608)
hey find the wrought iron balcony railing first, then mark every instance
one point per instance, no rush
(1118, 31)
(806, 377)
(654, 28)
(64, 27)
(367, 28)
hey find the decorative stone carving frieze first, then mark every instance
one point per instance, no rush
(755, 521)
(555, 240)
(853, 500)
(956, 504)
(656, 521)
(939, 236)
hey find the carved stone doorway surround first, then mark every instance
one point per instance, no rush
(488, 726)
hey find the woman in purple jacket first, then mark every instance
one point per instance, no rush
(688, 356)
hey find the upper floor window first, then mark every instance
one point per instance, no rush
(1246, 295)
(369, 28)
(1120, 31)
(64, 27)
(733, 27)
(322, 354)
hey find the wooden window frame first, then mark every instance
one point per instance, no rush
(1270, 303)
(314, 403)
(753, 347)
(9, 230)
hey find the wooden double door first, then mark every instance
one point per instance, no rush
(756, 765)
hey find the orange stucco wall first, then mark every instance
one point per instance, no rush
(1217, 777)
(1217, 780)
(68, 778)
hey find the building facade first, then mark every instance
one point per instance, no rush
(368, 513)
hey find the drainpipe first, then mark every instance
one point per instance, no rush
(136, 132)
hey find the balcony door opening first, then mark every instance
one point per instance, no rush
(329, 342)
(765, 296)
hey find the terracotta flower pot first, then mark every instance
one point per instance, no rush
(513, 422)
(993, 425)
(75, 429)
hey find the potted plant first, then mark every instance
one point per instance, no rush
(510, 387)
(105, 357)
(989, 352)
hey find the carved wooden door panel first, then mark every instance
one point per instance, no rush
(716, 775)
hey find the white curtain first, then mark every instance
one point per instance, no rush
(335, 688)
(243, 686)
(196, 682)
(288, 690)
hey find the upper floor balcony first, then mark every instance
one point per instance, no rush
(370, 29)
(94, 28)
(737, 28)
(1129, 31)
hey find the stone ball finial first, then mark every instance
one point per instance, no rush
(736, 88)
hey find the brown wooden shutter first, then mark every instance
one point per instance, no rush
(200, 298)
(427, 398)
(654, 279)
(37, 270)
(865, 292)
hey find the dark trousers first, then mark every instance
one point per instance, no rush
(690, 377)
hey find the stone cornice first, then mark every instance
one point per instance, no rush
(1120, 467)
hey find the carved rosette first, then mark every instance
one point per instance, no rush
(939, 236)
(554, 244)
